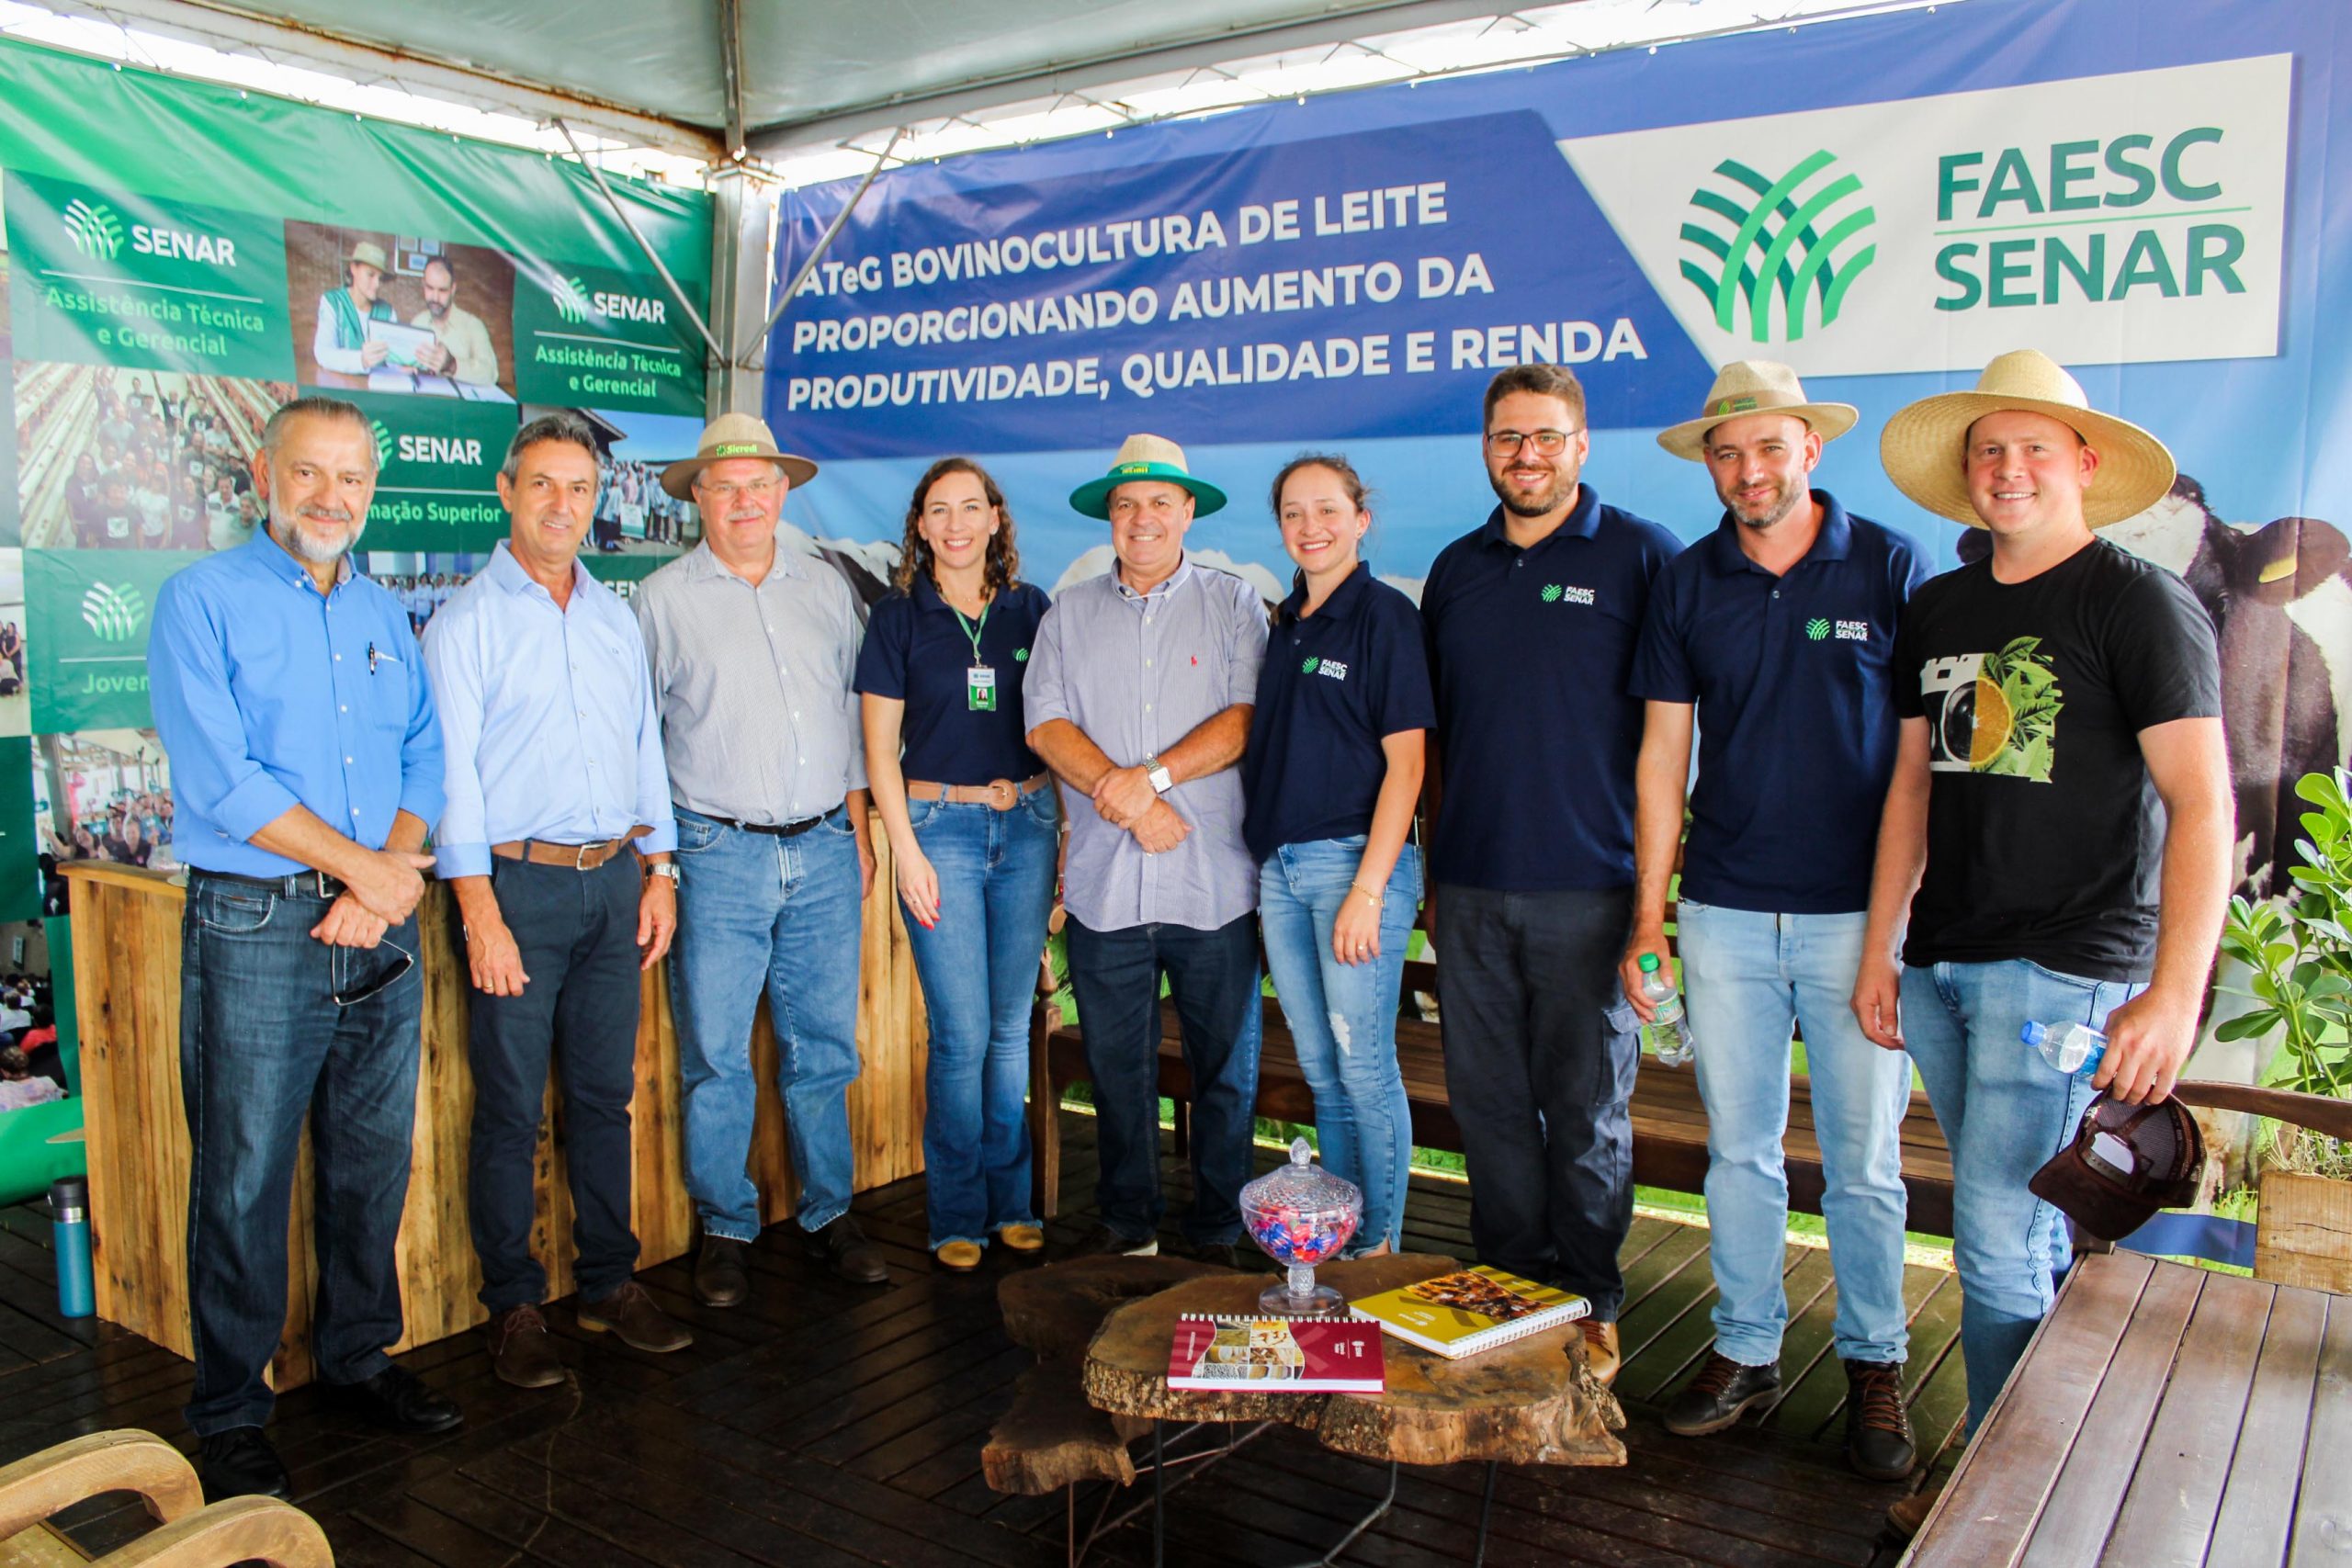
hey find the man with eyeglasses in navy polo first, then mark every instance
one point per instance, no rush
(1532, 620)
(306, 767)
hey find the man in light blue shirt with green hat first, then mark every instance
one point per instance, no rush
(1138, 698)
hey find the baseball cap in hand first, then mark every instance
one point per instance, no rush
(2126, 1162)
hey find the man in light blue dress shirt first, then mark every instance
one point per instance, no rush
(306, 769)
(556, 841)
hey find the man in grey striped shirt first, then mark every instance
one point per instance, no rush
(753, 649)
(1138, 697)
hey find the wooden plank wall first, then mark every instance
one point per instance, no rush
(126, 974)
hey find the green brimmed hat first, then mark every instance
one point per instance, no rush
(1144, 457)
(734, 435)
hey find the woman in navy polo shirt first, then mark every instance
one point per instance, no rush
(973, 830)
(1333, 772)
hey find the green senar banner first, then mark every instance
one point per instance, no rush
(114, 278)
(594, 337)
(90, 611)
(19, 846)
(437, 488)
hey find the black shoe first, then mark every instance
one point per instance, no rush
(842, 1247)
(1878, 1423)
(1722, 1393)
(1105, 1242)
(239, 1463)
(722, 1276)
(397, 1400)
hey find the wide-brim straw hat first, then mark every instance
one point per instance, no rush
(734, 435)
(1144, 457)
(1755, 386)
(368, 253)
(1923, 445)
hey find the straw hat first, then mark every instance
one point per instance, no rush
(1144, 457)
(734, 435)
(1755, 386)
(1922, 445)
(368, 253)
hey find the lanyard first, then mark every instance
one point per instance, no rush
(972, 631)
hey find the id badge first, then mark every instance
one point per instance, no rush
(979, 689)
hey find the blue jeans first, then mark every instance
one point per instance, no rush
(756, 911)
(262, 1044)
(1749, 977)
(978, 968)
(1213, 980)
(1343, 1017)
(2003, 1111)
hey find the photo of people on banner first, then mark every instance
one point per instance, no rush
(104, 794)
(383, 312)
(119, 459)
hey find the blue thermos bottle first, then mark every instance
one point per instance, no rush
(69, 1218)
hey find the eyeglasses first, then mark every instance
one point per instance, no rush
(1506, 443)
(758, 489)
(380, 981)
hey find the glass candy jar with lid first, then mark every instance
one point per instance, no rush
(1300, 1215)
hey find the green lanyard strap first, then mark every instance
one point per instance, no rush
(974, 631)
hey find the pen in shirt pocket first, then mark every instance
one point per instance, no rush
(380, 655)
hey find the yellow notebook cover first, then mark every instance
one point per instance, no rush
(1471, 1310)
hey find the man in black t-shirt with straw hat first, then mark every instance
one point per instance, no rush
(2060, 779)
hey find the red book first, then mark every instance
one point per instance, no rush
(1277, 1355)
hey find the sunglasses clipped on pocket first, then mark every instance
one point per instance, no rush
(349, 995)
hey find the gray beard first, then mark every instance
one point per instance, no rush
(293, 533)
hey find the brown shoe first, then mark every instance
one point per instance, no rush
(1906, 1518)
(1023, 1238)
(1600, 1349)
(521, 1350)
(630, 1311)
(722, 1276)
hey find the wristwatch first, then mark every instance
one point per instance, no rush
(667, 868)
(1157, 772)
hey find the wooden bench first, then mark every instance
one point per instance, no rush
(1669, 1124)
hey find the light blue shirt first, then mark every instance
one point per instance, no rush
(549, 718)
(269, 695)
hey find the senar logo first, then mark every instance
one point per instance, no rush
(1817, 629)
(383, 442)
(114, 613)
(96, 232)
(571, 297)
(1776, 239)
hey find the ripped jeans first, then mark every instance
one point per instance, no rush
(1343, 1018)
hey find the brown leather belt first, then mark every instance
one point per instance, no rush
(1002, 793)
(579, 857)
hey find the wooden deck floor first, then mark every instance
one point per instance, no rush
(826, 1424)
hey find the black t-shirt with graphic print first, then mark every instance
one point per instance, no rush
(2045, 835)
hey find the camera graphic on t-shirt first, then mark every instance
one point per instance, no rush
(1948, 694)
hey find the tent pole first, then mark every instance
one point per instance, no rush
(639, 236)
(749, 357)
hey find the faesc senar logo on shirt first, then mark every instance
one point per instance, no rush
(1565, 593)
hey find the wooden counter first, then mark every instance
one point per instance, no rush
(127, 980)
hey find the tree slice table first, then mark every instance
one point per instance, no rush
(1533, 1401)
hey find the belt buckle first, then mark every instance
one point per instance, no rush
(321, 878)
(1004, 794)
(580, 856)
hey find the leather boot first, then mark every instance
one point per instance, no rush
(1878, 1423)
(1722, 1393)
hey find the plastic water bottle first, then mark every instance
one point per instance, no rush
(69, 1216)
(2072, 1048)
(1668, 1032)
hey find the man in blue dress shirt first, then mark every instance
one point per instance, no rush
(306, 769)
(1531, 620)
(1773, 638)
(555, 770)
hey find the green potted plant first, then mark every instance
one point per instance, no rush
(2298, 956)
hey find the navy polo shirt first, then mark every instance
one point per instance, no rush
(917, 650)
(1793, 676)
(1529, 650)
(1332, 685)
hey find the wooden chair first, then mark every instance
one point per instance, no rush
(190, 1535)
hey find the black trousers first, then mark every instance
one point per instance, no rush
(1541, 1050)
(577, 932)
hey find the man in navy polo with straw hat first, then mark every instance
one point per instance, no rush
(1138, 698)
(2060, 779)
(1773, 638)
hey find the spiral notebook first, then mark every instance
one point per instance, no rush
(1476, 1309)
(1277, 1355)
